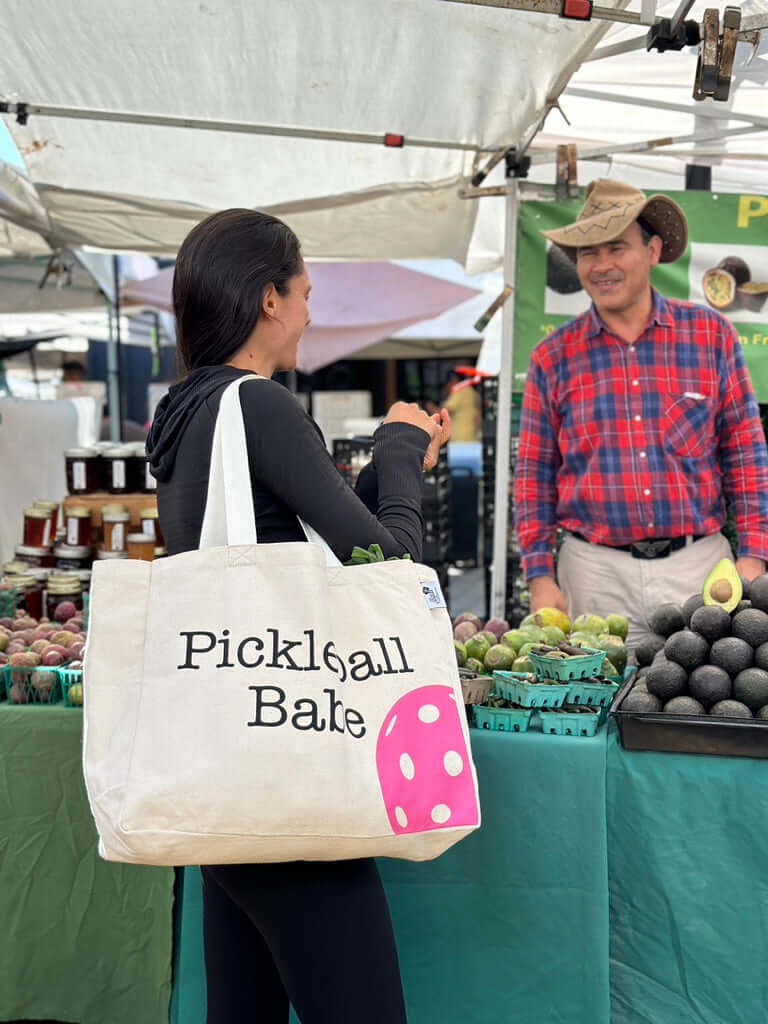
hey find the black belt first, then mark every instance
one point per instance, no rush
(653, 547)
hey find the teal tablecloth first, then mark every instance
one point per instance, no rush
(688, 862)
(509, 926)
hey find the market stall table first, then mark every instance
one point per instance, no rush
(82, 940)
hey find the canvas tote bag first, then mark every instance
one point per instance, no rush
(254, 702)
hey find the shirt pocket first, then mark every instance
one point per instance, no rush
(689, 424)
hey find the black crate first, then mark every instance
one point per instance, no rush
(351, 454)
(688, 734)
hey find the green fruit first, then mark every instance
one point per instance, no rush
(534, 634)
(614, 648)
(723, 586)
(499, 658)
(687, 648)
(582, 639)
(477, 647)
(553, 635)
(609, 670)
(666, 620)
(552, 617)
(617, 626)
(522, 665)
(473, 665)
(461, 652)
(529, 620)
(589, 624)
(514, 639)
(525, 650)
(751, 688)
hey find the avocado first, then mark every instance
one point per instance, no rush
(709, 684)
(647, 647)
(763, 713)
(684, 706)
(687, 648)
(761, 657)
(730, 709)
(723, 586)
(732, 654)
(751, 688)
(741, 606)
(712, 622)
(640, 686)
(746, 589)
(751, 625)
(637, 700)
(666, 620)
(666, 680)
(758, 592)
(690, 606)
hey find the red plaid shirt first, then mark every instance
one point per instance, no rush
(622, 442)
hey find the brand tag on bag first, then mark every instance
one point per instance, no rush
(433, 595)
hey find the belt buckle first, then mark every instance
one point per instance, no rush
(651, 548)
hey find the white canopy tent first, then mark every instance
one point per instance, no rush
(139, 119)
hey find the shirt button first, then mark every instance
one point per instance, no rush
(642, 455)
(635, 383)
(631, 348)
(650, 526)
(646, 491)
(638, 418)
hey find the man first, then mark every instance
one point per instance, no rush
(463, 403)
(639, 420)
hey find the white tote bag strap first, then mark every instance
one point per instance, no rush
(229, 520)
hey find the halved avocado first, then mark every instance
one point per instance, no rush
(723, 586)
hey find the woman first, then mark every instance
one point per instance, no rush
(315, 935)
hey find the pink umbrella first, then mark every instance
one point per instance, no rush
(353, 305)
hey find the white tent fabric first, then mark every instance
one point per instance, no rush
(459, 75)
(353, 305)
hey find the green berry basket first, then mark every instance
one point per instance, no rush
(71, 682)
(566, 669)
(26, 685)
(528, 691)
(591, 694)
(502, 719)
(567, 721)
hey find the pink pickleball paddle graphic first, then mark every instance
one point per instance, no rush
(423, 763)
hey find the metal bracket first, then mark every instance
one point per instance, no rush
(566, 175)
(663, 36)
(716, 54)
(728, 41)
(516, 166)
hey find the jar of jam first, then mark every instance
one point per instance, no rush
(116, 523)
(84, 575)
(77, 521)
(40, 557)
(139, 545)
(69, 556)
(125, 470)
(30, 595)
(63, 588)
(161, 553)
(148, 482)
(52, 508)
(16, 568)
(150, 524)
(37, 527)
(83, 476)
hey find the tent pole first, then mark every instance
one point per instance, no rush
(504, 406)
(113, 360)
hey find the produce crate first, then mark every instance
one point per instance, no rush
(567, 721)
(69, 678)
(565, 669)
(518, 688)
(502, 719)
(26, 685)
(595, 695)
(475, 688)
(688, 734)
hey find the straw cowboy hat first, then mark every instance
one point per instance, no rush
(610, 208)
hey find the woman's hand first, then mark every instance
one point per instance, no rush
(409, 412)
(443, 436)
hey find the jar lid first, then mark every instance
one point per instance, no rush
(111, 554)
(79, 511)
(71, 551)
(57, 576)
(41, 574)
(149, 513)
(36, 513)
(80, 453)
(161, 552)
(123, 452)
(140, 449)
(16, 568)
(84, 575)
(140, 538)
(42, 503)
(74, 587)
(114, 506)
(25, 549)
(116, 516)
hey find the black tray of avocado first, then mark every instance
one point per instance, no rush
(702, 681)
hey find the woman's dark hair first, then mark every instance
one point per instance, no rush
(223, 268)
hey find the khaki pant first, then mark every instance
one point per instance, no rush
(602, 580)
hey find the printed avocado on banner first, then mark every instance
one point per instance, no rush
(725, 267)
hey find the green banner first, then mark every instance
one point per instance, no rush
(725, 266)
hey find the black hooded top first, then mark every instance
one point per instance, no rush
(292, 472)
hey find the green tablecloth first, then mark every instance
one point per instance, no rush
(509, 926)
(80, 940)
(688, 862)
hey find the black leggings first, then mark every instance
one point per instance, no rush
(317, 935)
